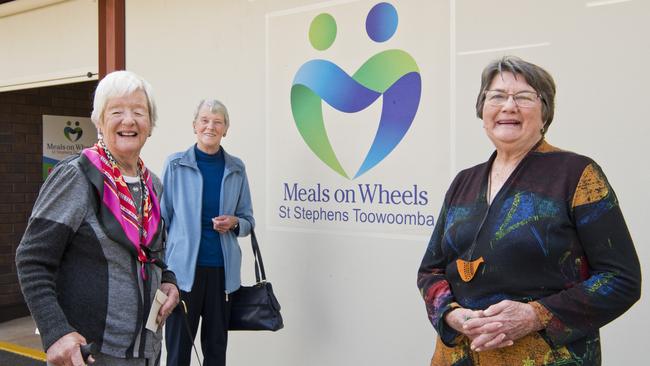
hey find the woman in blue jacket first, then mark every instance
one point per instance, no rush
(206, 205)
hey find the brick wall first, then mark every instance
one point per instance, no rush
(21, 153)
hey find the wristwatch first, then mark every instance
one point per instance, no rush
(234, 228)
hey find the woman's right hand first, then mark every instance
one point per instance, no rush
(224, 223)
(65, 351)
(457, 317)
(490, 334)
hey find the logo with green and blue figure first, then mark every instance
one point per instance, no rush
(392, 75)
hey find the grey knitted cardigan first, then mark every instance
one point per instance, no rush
(78, 270)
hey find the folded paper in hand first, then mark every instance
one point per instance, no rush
(158, 300)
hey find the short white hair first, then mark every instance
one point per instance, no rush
(214, 106)
(118, 84)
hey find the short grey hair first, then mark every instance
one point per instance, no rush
(538, 78)
(214, 106)
(118, 84)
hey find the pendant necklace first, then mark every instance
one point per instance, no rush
(467, 269)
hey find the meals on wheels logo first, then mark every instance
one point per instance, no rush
(64, 136)
(391, 74)
(73, 134)
(354, 93)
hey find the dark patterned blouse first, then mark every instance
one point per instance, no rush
(554, 235)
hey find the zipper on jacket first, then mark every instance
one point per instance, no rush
(224, 251)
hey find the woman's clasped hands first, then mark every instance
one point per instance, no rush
(497, 326)
(224, 223)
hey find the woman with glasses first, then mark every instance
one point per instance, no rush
(531, 254)
(206, 206)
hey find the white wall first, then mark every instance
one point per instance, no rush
(351, 299)
(54, 43)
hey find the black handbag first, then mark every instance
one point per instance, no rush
(255, 307)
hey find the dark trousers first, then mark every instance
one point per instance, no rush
(207, 300)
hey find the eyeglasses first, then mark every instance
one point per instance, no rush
(523, 99)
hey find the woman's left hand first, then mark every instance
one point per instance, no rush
(224, 223)
(517, 320)
(173, 298)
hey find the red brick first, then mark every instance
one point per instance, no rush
(62, 102)
(47, 109)
(34, 167)
(25, 118)
(6, 228)
(8, 197)
(38, 100)
(8, 158)
(11, 177)
(34, 177)
(12, 98)
(26, 109)
(22, 167)
(9, 239)
(6, 117)
(34, 139)
(11, 218)
(8, 278)
(6, 268)
(83, 103)
(51, 91)
(32, 91)
(69, 111)
(5, 148)
(18, 138)
(5, 208)
(34, 158)
(20, 228)
(7, 259)
(81, 112)
(11, 288)
(22, 207)
(27, 128)
(5, 246)
(73, 94)
(26, 187)
(27, 148)
(16, 298)
(12, 168)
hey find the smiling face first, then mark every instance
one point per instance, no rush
(210, 128)
(509, 126)
(126, 125)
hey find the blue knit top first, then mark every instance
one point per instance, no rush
(211, 167)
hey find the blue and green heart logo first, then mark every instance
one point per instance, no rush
(392, 74)
(73, 134)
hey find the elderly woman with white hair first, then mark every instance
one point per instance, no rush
(91, 259)
(206, 205)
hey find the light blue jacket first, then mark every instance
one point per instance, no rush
(181, 210)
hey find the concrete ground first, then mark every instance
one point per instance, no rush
(21, 332)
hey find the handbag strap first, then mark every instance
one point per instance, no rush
(259, 264)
